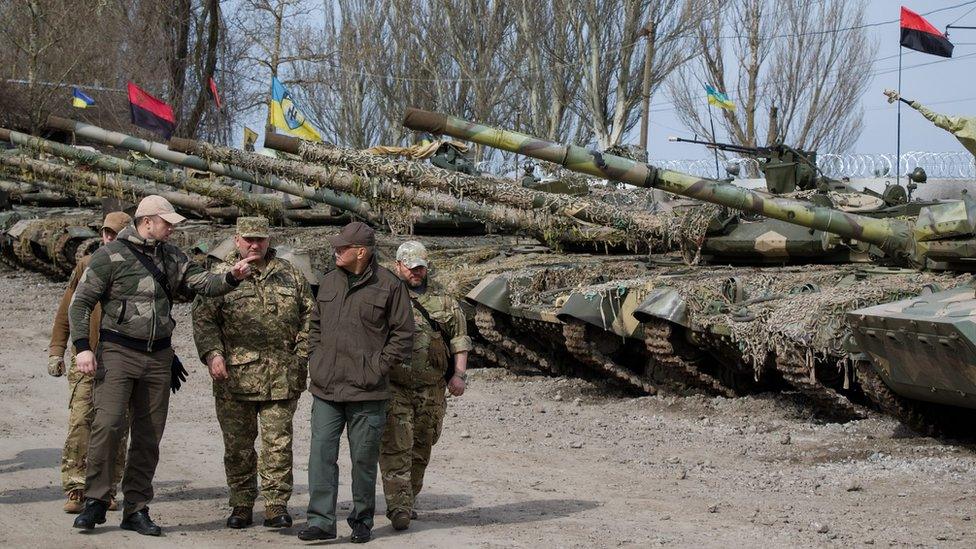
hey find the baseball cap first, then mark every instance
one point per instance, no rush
(157, 205)
(356, 233)
(412, 254)
(116, 221)
(253, 227)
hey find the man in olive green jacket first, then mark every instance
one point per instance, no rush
(362, 324)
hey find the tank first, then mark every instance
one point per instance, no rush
(832, 364)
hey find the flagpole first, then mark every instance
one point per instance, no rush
(711, 122)
(898, 131)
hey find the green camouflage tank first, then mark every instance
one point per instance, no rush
(787, 323)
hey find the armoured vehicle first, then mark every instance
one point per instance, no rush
(814, 335)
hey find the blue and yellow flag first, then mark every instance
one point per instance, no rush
(286, 116)
(719, 99)
(79, 99)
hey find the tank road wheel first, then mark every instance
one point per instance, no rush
(664, 357)
(582, 347)
(890, 403)
(490, 330)
(797, 373)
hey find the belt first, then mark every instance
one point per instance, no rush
(136, 343)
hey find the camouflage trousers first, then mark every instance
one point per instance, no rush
(81, 413)
(413, 425)
(240, 421)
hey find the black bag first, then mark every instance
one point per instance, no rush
(177, 372)
(445, 338)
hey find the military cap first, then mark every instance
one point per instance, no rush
(412, 254)
(356, 233)
(157, 205)
(253, 227)
(116, 221)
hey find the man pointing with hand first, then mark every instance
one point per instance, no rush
(134, 279)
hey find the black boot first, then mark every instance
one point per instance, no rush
(141, 523)
(241, 517)
(92, 514)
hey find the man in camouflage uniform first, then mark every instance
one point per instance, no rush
(80, 409)
(134, 278)
(416, 411)
(255, 342)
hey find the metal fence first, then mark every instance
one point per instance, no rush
(938, 165)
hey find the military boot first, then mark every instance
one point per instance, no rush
(401, 520)
(75, 502)
(141, 523)
(240, 517)
(276, 516)
(92, 514)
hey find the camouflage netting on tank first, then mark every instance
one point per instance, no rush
(489, 190)
(89, 161)
(384, 190)
(784, 311)
(685, 229)
(812, 325)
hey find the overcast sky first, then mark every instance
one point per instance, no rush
(948, 87)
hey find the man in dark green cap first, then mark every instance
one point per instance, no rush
(362, 325)
(254, 340)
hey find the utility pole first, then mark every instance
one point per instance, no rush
(647, 32)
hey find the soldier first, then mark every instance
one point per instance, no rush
(361, 327)
(134, 278)
(416, 411)
(255, 342)
(962, 127)
(80, 409)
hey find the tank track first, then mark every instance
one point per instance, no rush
(494, 356)
(60, 256)
(22, 249)
(795, 371)
(86, 247)
(582, 348)
(657, 341)
(890, 403)
(484, 319)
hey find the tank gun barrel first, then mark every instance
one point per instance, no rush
(161, 152)
(267, 205)
(728, 147)
(894, 236)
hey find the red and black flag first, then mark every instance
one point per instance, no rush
(919, 35)
(149, 112)
(213, 92)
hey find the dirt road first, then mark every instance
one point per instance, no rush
(524, 461)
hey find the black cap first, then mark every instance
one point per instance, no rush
(356, 233)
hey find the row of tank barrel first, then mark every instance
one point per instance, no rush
(795, 287)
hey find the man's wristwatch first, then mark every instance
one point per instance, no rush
(462, 375)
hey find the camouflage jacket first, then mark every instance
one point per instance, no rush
(135, 309)
(261, 329)
(422, 370)
(963, 127)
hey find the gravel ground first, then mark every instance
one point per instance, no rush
(523, 461)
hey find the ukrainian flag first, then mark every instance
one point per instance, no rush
(719, 99)
(79, 99)
(286, 116)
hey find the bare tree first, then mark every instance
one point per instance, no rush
(800, 83)
(611, 52)
(43, 48)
